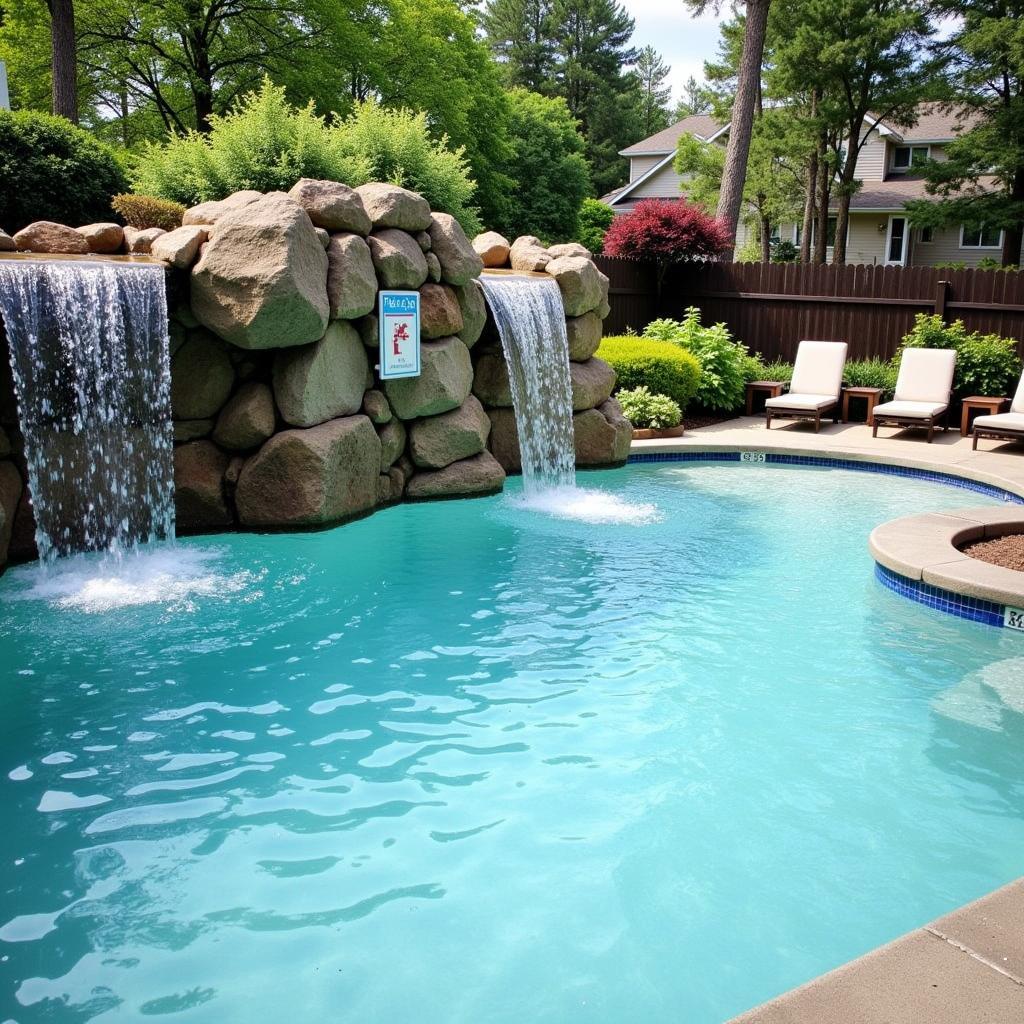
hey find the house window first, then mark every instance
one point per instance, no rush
(983, 237)
(906, 157)
(926, 235)
(896, 242)
(830, 234)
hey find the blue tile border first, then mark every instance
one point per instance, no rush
(972, 608)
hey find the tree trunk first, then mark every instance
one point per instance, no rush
(766, 238)
(824, 195)
(808, 221)
(730, 198)
(1012, 237)
(65, 65)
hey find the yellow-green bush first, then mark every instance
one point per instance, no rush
(660, 366)
(148, 211)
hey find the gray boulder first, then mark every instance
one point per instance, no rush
(579, 282)
(490, 380)
(445, 379)
(602, 436)
(200, 502)
(324, 380)
(448, 242)
(375, 405)
(492, 248)
(440, 314)
(10, 494)
(528, 253)
(179, 247)
(139, 241)
(351, 279)
(592, 383)
(310, 477)
(192, 430)
(392, 442)
(102, 238)
(248, 419)
(473, 306)
(477, 475)
(201, 377)
(584, 334)
(261, 281)
(332, 205)
(438, 441)
(433, 267)
(391, 206)
(504, 440)
(398, 260)
(211, 212)
(47, 236)
(570, 249)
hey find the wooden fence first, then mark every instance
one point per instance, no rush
(771, 307)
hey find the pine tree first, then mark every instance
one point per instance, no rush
(521, 34)
(651, 73)
(695, 100)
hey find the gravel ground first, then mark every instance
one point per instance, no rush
(1005, 551)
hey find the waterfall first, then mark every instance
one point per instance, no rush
(90, 356)
(531, 322)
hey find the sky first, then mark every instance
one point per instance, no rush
(684, 41)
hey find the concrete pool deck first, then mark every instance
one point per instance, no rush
(968, 966)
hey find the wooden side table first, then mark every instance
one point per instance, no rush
(979, 403)
(870, 395)
(768, 388)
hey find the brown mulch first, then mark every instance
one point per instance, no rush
(1005, 551)
(695, 422)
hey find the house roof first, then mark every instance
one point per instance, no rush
(893, 194)
(935, 123)
(703, 126)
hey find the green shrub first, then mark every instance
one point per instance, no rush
(871, 373)
(778, 370)
(985, 363)
(646, 410)
(266, 144)
(594, 220)
(991, 263)
(660, 366)
(51, 170)
(723, 362)
(148, 211)
(784, 252)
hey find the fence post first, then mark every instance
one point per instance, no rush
(941, 295)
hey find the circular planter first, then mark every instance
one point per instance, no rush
(646, 434)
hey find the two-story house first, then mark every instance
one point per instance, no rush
(879, 231)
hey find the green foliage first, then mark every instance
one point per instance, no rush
(990, 263)
(871, 373)
(723, 361)
(749, 251)
(754, 369)
(51, 170)
(594, 220)
(148, 211)
(651, 74)
(266, 144)
(646, 410)
(784, 252)
(985, 363)
(662, 367)
(549, 164)
(778, 370)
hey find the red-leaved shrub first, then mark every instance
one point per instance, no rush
(666, 231)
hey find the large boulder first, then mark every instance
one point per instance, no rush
(324, 380)
(261, 281)
(10, 494)
(200, 502)
(479, 474)
(579, 282)
(102, 238)
(446, 376)
(504, 440)
(391, 206)
(528, 253)
(604, 306)
(351, 279)
(392, 442)
(448, 242)
(440, 314)
(433, 267)
(592, 383)
(492, 248)
(201, 377)
(398, 260)
(248, 419)
(473, 307)
(332, 205)
(139, 241)
(179, 247)
(438, 441)
(211, 213)
(602, 436)
(47, 236)
(570, 249)
(7, 244)
(490, 380)
(192, 430)
(584, 335)
(310, 477)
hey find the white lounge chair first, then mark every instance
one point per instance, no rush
(816, 385)
(1003, 426)
(923, 387)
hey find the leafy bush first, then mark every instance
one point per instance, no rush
(871, 373)
(991, 263)
(660, 366)
(266, 144)
(148, 211)
(594, 220)
(51, 170)
(748, 252)
(985, 363)
(784, 252)
(666, 231)
(778, 370)
(723, 362)
(645, 409)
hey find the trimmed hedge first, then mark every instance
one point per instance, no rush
(51, 170)
(149, 212)
(660, 366)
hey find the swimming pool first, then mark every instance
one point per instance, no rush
(469, 762)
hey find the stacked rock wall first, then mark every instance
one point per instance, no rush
(280, 419)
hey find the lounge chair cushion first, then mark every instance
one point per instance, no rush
(1018, 399)
(926, 375)
(818, 369)
(801, 403)
(1008, 421)
(905, 410)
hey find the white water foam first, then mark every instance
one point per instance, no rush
(167, 575)
(589, 506)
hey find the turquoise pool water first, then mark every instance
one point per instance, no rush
(466, 762)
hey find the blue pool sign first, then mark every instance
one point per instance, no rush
(399, 316)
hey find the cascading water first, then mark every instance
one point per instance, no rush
(90, 355)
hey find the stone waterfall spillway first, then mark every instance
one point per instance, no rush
(531, 321)
(90, 356)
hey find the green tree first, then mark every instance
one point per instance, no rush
(651, 73)
(595, 219)
(549, 165)
(521, 35)
(695, 100)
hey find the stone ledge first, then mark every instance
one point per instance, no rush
(89, 257)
